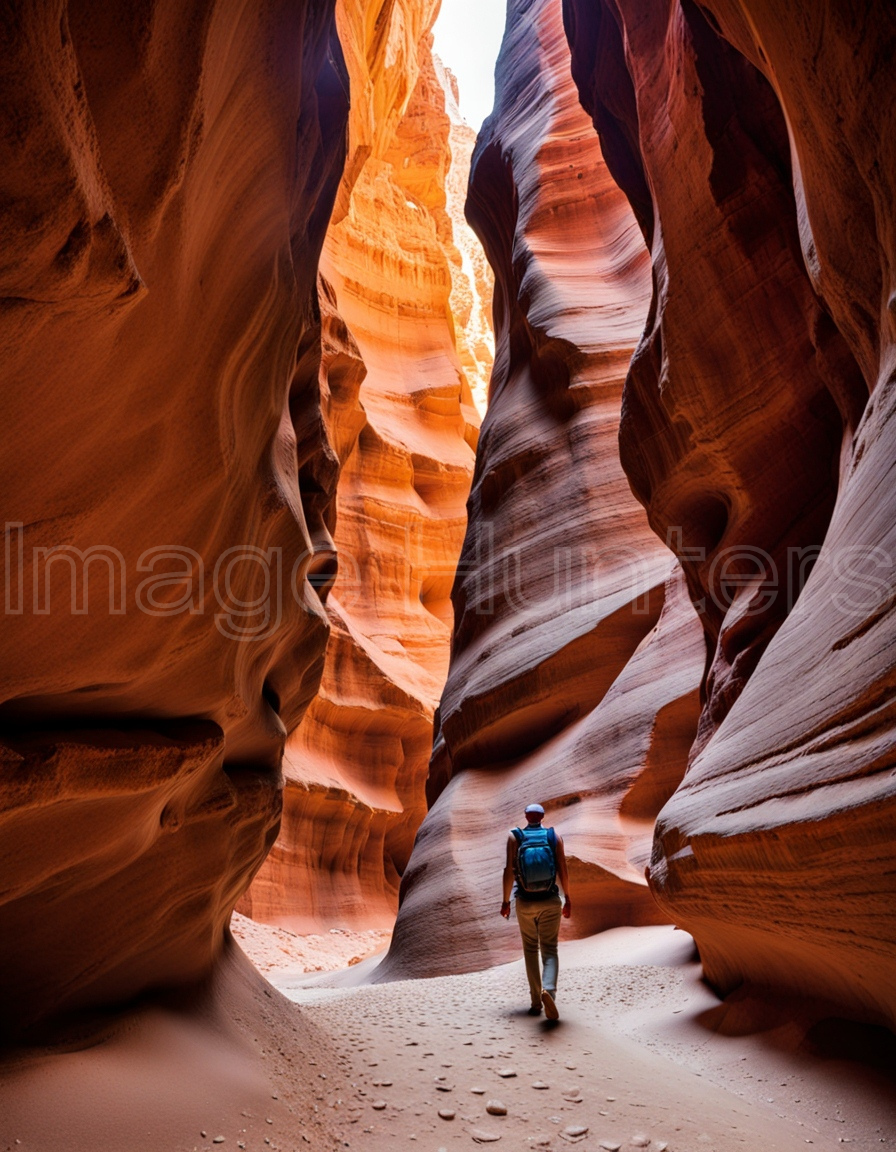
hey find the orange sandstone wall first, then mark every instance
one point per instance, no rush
(355, 770)
(576, 655)
(753, 140)
(167, 175)
(472, 281)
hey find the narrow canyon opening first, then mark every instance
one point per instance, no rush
(407, 352)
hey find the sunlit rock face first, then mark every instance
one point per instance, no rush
(356, 768)
(753, 140)
(167, 176)
(472, 281)
(576, 656)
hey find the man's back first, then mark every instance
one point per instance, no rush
(535, 866)
(535, 860)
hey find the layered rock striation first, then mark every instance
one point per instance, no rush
(576, 655)
(355, 770)
(167, 175)
(751, 140)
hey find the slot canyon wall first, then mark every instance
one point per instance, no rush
(401, 409)
(576, 656)
(472, 281)
(168, 173)
(752, 140)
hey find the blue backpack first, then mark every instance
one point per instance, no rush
(536, 858)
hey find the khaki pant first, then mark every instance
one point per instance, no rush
(539, 922)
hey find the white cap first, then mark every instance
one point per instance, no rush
(534, 808)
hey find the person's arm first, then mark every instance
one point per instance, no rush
(508, 876)
(563, 874)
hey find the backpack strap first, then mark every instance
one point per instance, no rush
(552, 840)
(517, 834)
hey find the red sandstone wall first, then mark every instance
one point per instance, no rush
(576, 656)
(752, 141)
(167, 172)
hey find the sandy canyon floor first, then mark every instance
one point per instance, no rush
(644, 1056)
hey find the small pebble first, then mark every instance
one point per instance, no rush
(480, 1136)
(446, 1113)
(478, 1091)
(578, 1130)
(506, 1073)
(610, 1145)
(218, 1140)
(444, 1088)
(640, 1141)
(571, 1067)
(495, 1108)
(378, 1105)
(539, 1084)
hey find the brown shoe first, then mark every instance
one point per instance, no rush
(535, 1010)
(550, 1008)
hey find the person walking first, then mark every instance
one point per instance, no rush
(536, 860)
